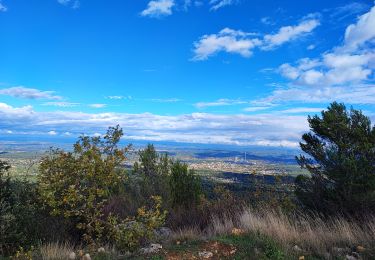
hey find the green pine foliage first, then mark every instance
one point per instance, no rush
(340, 155)
(185, 185)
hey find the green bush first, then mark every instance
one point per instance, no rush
(149, 177)
(185, 186)
(128, 234)
(76, 185)
(20, 213)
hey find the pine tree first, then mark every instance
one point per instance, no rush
(340, 156)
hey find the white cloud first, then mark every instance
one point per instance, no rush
(332, 69)
(228, 40)
(310, 47)
(219, 102)
(158, 8)
(28, 93)
(3, 8)
(52, 132)
(119, 97)
(298, 110)
(75, 4)
(217, 4)
(97, 105)
(266, 20)
(61, 104)
(289, 33)
(254, 109)
(312, 77)
(347, 10)
(360, 33)
(243, 43)
(166, 100)
(116, 97)
(289, 71)
(63, 2)
(236, 129)
(357, 94)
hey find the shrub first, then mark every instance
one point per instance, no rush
(77, 184)
(19, 213)
(185, 185)
(341, 149)
(149, 177)
(128, 234)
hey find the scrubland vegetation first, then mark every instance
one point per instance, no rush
(86, 205)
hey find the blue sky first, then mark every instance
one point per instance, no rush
(207, 71)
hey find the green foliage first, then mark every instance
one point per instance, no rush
(128, 234)
(185, 185)
(152, 163)
(23, 254)
(19, 213)
(77, 184)
(255, 246)
(150, 175)
(7, 219)
(341, 149)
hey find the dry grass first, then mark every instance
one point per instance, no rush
(56, 251)
(188, 234)
(311, 233)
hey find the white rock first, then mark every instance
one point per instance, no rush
(101, 250)
(205, 254)
(86, 257)
(153, 248)
(297, 248)
(72, 256)
(350, 257)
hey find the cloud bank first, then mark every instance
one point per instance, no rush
(239, 129)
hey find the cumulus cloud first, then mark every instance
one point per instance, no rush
(52, 132)
(362, 32)
(28, 93)
(227, 40)
(158, 8)
(332, 69)
(243, 43)
(236, 129)
(345, 73)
